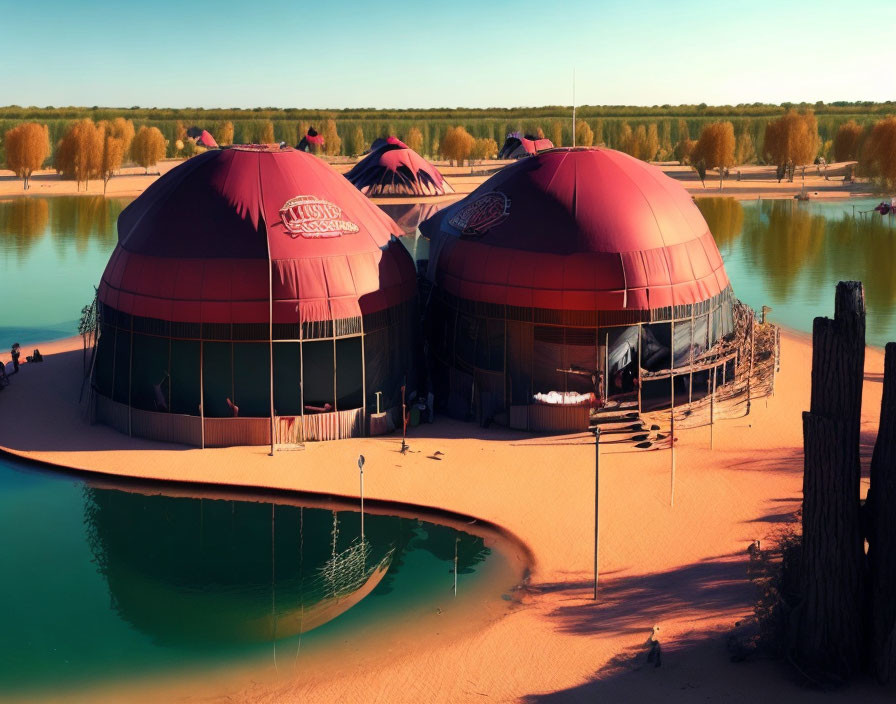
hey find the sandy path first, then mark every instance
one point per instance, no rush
(681, 567)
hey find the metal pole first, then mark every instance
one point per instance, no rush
(201, 394)
(270, 340)
(672, 412)
(640, 382)
(404, 422)
(361, 470)
(456, 540)
(596, 502)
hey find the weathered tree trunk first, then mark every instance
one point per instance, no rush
(881, 507)
(828, 640)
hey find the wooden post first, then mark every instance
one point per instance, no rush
(827, 637)
(881, 507)
(752, 324)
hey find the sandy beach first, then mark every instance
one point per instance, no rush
(756, 182)
(681, 567)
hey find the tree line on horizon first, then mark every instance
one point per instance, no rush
(85, 149)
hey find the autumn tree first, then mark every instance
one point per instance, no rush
(456, 145)
(716, 147)
(539, 133)
(80, 152)
(791, 140)
(879, 151)
(846, 141)
(651, 143)
(148, 147)
(744, 150)
(414, 140)
(27, 146)
(332, 140)
(116, 141)
(358, 145)
(557, 134)
(684, 150)
(122, 130)
(636, 142)
(484, 149)
(584, 134)
(266, 134)
(224, 133)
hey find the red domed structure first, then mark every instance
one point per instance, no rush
(567, 266)
(394, 169)
(245, 272)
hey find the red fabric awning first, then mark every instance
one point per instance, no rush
(577, 229)
(196, 245)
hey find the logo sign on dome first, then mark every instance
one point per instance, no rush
(484, 213)
(313, 217)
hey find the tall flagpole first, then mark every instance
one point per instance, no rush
(573, 107)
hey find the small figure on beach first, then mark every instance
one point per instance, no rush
(15, 357)
(655, 651)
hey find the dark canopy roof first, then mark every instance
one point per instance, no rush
(516, 147)
(198, 244)
(576, 229)
(393, 168)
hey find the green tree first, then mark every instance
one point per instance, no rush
(557, 134)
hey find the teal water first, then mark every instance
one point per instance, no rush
(104, 583)
(790, 255)
(52, 253)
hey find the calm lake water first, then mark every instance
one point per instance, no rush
(790, 255)
(101, 583)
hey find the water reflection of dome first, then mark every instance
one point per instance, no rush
(202, 570)
(211, 571)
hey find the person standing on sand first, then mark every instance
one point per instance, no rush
(15, 358)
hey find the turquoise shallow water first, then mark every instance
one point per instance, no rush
(104, 583)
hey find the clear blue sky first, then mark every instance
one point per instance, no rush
(473, 53)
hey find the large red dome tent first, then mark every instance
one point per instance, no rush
(565, 267)
(394, 169)
(245, 272)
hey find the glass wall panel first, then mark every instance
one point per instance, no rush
(349, 380)
(149, 378)
(185, 377)
(318, 375)
(217, 378)
(122, 365)
(251, 379)
(287, 379)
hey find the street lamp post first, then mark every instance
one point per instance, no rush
(361, 470)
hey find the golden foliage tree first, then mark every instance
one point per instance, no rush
(557, 134)
(716, 147)
(456, 145)
(484, 149)
(651, 143)
(332, 140)
(148, 147)
(584, 134)
(27, 146)
(267, 133)
(414, 140)
(847, 140)
(879, 151)
(224, 133)
(539, 133)
(791, 140)
(637, 143)
(725, 217)
(117, 138)
(684, 150)
(744, 150)
(79, 153)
